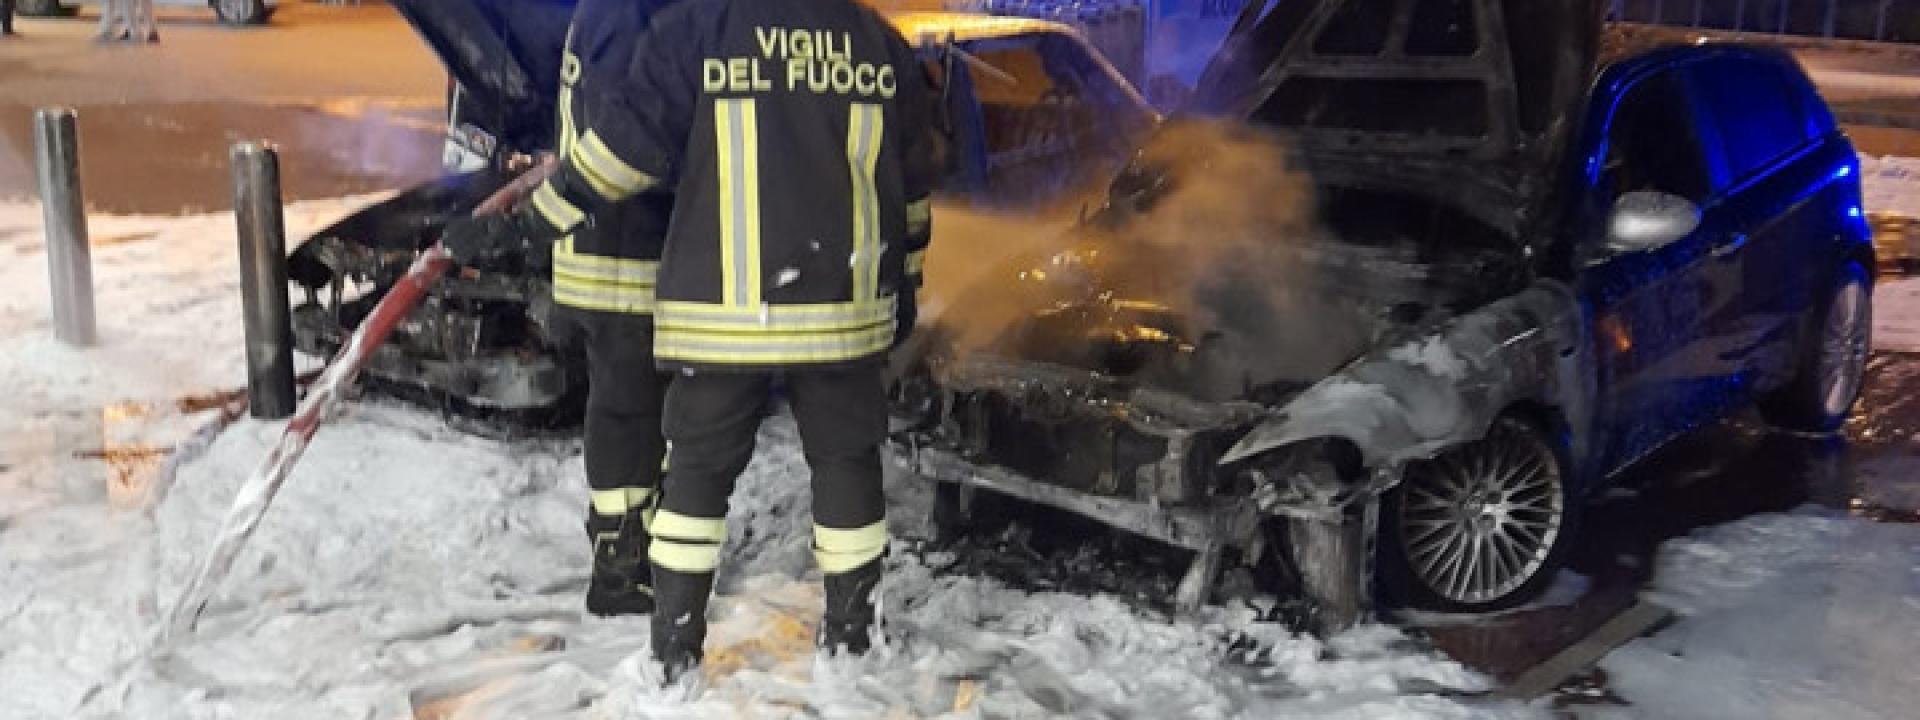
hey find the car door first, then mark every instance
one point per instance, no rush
(1653, 306)
(1777, 169)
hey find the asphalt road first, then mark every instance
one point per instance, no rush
(351, 94)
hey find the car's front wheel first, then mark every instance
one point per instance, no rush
(242, 12)
(1833, 359)
(1482, 526)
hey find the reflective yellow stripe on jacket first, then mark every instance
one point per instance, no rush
(595, 282)
(742, 329)
(773, 334)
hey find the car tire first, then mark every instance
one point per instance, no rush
(43, 8)
(1480, 527)
(242, 12)
(1832, 362)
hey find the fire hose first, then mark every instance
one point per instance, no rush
(256, 494)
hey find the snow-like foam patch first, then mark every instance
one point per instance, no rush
(167, 300)
(1811, 614)
(1890, 184)
(405, 562)
(1896, 314)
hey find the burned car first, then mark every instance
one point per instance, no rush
(1032, 111)
(1414, 281)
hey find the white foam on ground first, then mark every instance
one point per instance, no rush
(1810, 614)
(401, 551)
(1891, 185)
(1896, 314)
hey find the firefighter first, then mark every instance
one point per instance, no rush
(603, 279)
(796, 138)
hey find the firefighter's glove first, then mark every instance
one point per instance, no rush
(483, 240)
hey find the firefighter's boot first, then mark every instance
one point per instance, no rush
(847, 624)
(622, 581)
(680, 619)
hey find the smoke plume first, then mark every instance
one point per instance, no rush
(1197, 253)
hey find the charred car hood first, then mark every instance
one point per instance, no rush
(1469, 100)
(505, 54)
(1222, 270)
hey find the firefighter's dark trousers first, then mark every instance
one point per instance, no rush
(711, 420)
(625, 452)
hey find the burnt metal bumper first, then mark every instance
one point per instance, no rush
(987, 409)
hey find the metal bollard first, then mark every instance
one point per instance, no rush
(69, 259)
(263, 280)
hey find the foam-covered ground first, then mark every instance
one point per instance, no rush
(1811, 614)
(403, 557)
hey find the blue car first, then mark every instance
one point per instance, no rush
(1401, 291)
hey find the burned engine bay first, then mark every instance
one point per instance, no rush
(1112, 371)
(1217, 282)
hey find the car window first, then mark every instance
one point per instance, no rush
(1754, 111)
(1652, 142)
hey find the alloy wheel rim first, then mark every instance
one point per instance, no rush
(1478, 522)
(1843, 348)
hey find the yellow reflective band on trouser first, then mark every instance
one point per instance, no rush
(916, 262)
(558, 212)
(618, 501)
(865, 122)
(737, 135)
(919, 216)
(670, 524)
(684, 543)
(839, 550)
(683, 557)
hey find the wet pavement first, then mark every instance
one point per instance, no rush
(352, 96)
(327, 150)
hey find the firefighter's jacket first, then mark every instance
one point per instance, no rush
(795, 138)
(609, 264)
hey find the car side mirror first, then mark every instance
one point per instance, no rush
(1646, 220)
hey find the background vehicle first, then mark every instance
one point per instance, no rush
(1524, 261)
(1034, 113)
(231, 12)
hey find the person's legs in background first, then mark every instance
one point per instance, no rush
(625, 452)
